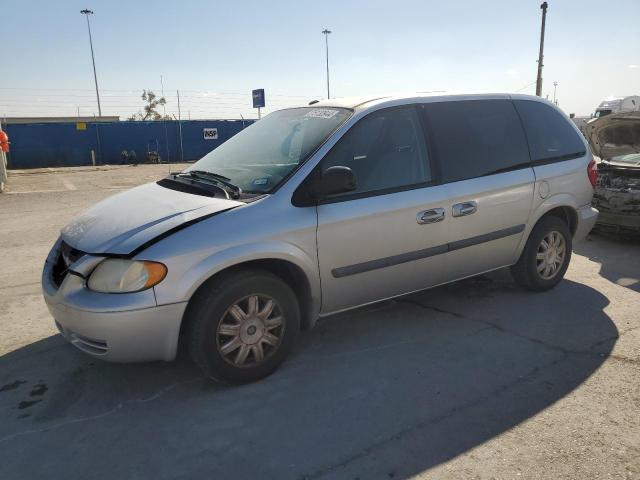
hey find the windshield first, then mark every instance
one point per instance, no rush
(259, 157)
(631, 159)
(602, 113)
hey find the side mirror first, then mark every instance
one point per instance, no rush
(334, 180)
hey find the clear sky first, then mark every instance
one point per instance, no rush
(216, 52)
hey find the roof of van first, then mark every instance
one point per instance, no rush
(364, 102)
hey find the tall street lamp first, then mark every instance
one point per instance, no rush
(86, 12)
(326, 42)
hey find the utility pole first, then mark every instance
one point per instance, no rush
(86, 12)
(326, 42)
(180, 128)
(164, 120)
(555, 87)
(541, 55)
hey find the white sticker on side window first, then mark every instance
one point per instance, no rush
(321, 113)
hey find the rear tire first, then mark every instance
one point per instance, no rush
(242, 325)
(545, 257)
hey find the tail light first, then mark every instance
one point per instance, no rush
(592, 172)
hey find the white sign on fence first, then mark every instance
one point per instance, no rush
(210, 133)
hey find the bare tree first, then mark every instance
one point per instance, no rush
(150, 112)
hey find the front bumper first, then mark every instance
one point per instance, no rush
(625, 222)
(128, 336)
(113, 327)
(587, 217)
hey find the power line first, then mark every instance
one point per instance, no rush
(525, 87)
(209, 104)
(138, 91)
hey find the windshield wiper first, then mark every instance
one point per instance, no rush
(210, 174)
(232, 189)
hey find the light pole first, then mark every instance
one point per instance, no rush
(326, 42)
(86, 12)
(543, 7)
(555, 87)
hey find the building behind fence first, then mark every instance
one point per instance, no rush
(37, 144)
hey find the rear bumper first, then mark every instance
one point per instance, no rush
(587, 217)
(128, 336)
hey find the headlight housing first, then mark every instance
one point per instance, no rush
(118, 275)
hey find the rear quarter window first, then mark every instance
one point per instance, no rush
(550, 135)
(474, 138)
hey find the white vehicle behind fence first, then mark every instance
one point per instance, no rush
(617, 105)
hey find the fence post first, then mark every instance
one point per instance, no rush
(180, 128)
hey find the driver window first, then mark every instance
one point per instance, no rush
(385, 149)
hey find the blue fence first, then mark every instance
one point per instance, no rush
(38, 145)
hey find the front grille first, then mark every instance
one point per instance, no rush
(66, 257)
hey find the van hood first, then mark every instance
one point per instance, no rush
(122, 223)
(614, 135)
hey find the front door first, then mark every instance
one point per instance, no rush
(388, 236)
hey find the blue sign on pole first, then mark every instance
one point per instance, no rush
(258, 98)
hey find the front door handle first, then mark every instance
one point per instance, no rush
(433, 215)
(464, 208)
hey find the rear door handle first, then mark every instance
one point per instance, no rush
(433, 215)
(464, 208)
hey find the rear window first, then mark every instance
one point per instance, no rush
(551, 136)
(476, 138)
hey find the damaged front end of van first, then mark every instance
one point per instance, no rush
(616, 140)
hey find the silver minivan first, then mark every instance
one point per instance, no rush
(316, 210)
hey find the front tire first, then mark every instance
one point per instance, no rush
(242, 325)
(545, 257)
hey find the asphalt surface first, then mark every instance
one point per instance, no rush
(477, 379)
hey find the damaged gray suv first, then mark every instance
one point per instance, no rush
(316, 210)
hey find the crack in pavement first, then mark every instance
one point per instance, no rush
(118, 407)
(432, 421)
(500, 328)
(304, 356)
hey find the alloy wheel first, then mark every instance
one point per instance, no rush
(250, 331)
(551, 255)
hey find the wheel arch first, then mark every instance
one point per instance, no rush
(295, 270)
(565, 213)
(562, 206)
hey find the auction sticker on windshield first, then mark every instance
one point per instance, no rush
(321, 113)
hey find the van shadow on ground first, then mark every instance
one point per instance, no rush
(386, 391)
